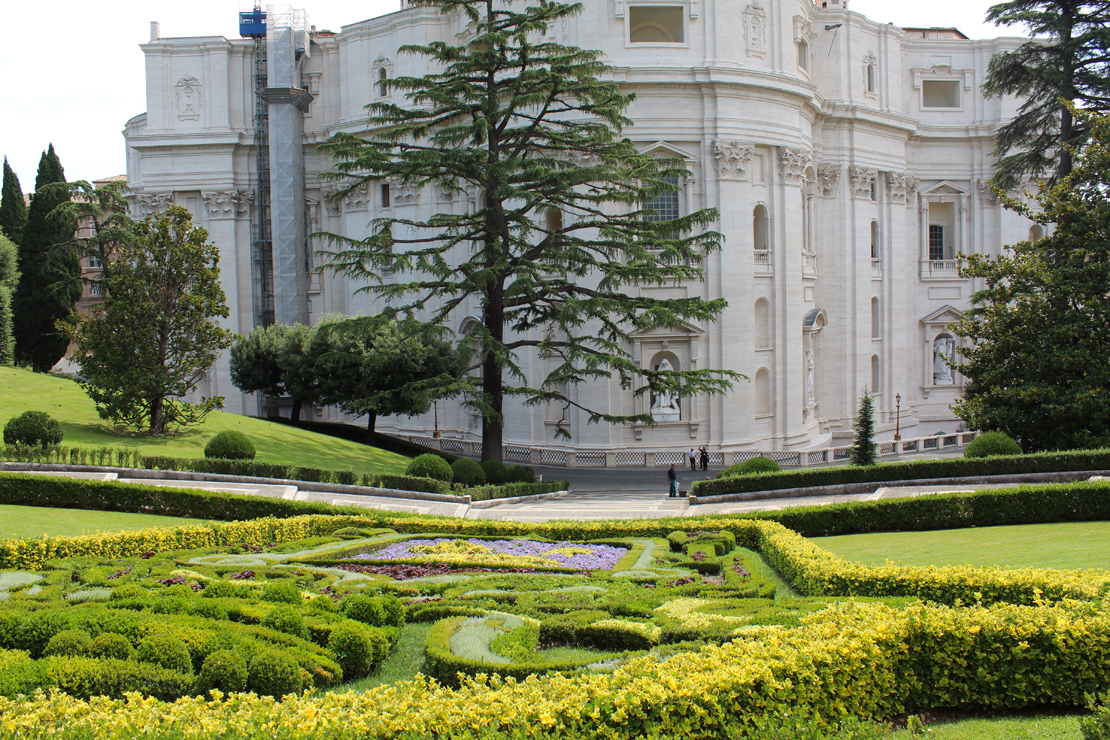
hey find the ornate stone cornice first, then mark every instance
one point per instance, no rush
(733, 160)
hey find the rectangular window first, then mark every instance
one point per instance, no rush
(385, 196)
(803, 56)
(940, 94)
(656, 24)
(936, 242)
(665, 205)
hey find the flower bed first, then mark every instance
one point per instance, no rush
(510, 553)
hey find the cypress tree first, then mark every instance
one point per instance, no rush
(13, 211)
(47, 291)
(863, 451)
(9, 278)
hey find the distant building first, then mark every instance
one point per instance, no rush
(849, 160)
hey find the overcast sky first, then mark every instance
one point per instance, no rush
(74, 70)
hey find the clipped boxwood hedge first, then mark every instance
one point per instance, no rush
(955, 467)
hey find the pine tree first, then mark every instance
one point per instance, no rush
(13, 210)
(47, 289)
(863, 449)
(1066, 61)
(561, 239)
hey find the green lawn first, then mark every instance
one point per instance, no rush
(1009, 728)
(1068, 546)
(22, 390)
(21, 522)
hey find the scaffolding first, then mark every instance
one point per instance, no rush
(262, 251)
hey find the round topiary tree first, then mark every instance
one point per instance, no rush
(274, 674)
(990, 444)
(468, 472)
(224, 670)
(353, 648)
(34, 429)
(430, 466)
(286, 619)
(230, 445)
(168, 651)
(496, 472)
(522, 474)
(750, 467)
(112, 645)
(365, 609)
(69, 643)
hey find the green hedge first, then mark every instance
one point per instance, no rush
(511, 490)
(1044, 462)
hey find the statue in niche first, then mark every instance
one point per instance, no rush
(665, 407)
(943, 348)
(809, 376)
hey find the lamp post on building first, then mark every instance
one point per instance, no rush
(435, 406)
(897, 417)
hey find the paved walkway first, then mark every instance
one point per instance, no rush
(601, 500)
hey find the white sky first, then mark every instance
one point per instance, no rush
(75, 74)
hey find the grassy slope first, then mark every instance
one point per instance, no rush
(1012, 728)
(18, 522)
(22, 390)
(1067, 546)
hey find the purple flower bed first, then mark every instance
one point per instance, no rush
(594, 557)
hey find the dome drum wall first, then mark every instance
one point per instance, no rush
(818, 134)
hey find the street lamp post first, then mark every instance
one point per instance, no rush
(435, 406)
(897, 417)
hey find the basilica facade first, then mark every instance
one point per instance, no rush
(848, 159)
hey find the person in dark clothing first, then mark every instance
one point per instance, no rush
(704, 459)
(672, 475)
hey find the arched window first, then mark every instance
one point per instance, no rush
(761, 229)
(1036, 233)
(875, 319)
(762, 324)
(872, 75)
(762, 392)
(383, 84)
(876, 377)
(874, 239)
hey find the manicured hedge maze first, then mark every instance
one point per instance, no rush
(701, 628)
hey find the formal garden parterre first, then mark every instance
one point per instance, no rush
(705, 627)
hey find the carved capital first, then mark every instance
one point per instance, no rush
(898, 185)
(862, 181)
(404, 193)
(987, 196)
(733, 160)
(794, 163)
(148, 204)
(829, 178)
(227, 203)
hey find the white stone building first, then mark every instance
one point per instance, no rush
(848, 160)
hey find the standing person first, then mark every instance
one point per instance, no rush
(672, 475)
(693, 459)
(704, 458)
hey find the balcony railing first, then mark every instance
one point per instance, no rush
(941, 269)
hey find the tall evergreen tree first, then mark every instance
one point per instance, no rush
(1067, 60)
(47, 290)
(13, 210)
(553, 256)
(863, 448)
(9, 279)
